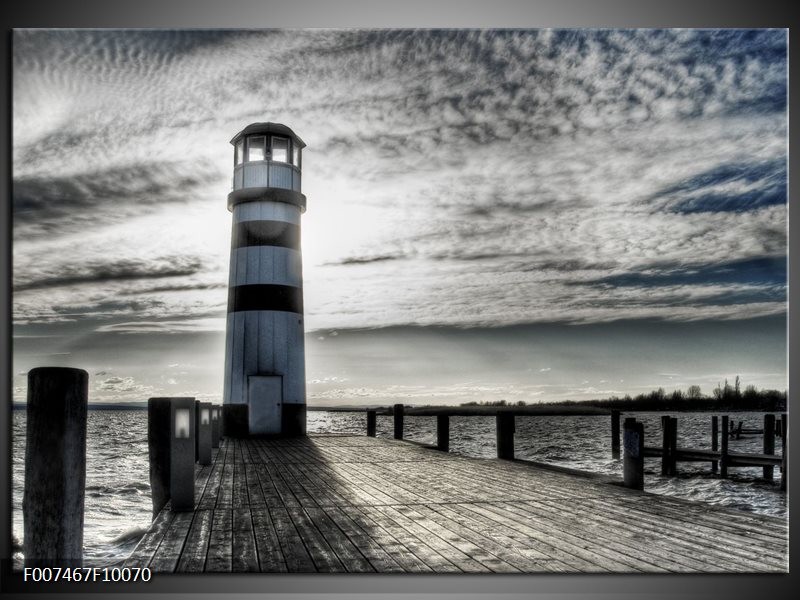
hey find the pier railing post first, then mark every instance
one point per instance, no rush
(673, 446)
(714, 441)
(443, 432)
(633, 454)
(665, 444)
(372, 420)
(723, 450)
(784, 450)
(181, 454)
(397, 413)
(204, 433)
(55, 466)
(614, 434)
(769, 444)
(505, 435)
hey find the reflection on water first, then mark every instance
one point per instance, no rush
(118, 507)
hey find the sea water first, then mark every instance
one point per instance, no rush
(118, 508)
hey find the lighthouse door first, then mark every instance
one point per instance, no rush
(264, 398)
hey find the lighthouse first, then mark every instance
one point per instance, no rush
(265, 386)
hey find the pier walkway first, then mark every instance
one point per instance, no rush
(361, 504)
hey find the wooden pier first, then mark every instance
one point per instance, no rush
(364, 504)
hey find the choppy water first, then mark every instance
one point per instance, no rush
(118, 507)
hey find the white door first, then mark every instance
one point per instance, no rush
(264, 398)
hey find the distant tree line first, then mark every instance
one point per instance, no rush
(723, 397)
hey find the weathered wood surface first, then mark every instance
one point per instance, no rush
(361, 504)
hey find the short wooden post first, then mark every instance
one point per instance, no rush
(181, 454)
(204, 433)
(633, 454)
(372, 420)
(714, 441)
(665, 441)
(443, 432)
(614, 434)
(769, 444)
(196, 428)
(505, 435)
(723, 451)
(55, 467)
(216, 426)
(673, 446)
(398, 421)
(784, 451)
(158, 430)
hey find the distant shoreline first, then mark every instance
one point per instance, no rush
(587, 408)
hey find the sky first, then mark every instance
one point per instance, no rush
(492, 214)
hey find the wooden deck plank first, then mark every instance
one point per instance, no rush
(220, 544)
(245, 555)
(358, 504)
(193, 558)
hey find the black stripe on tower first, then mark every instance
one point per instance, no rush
(265, 233)
(265, 296)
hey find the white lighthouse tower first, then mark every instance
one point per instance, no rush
(265, 385)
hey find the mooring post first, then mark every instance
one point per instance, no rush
(723, 451)
(614, 434)
(397, 412)
(205, 433)
(673, 446)
(769, 444)
(443, 432)
(216, 426)
(505, 435)
(665, 444)
(158, 432)
(372, 420)
(55, 467)
(784, 450)
(633, 454)
(181, 454)
(714, 440)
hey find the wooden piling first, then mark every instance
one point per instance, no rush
(673, 446)
(714, 441)
(723, 459)
(633, 454)
(784, 450)
(397, 412)
(55, 467)
(371, 423)
(769, 444)
(614, 434)
(665, 441)
(158, 428)
(505, 435)
(443, 432)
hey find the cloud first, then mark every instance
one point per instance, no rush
(467, 177)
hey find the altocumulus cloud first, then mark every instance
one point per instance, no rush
(454, 177)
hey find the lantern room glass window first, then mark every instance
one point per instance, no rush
(239, 152)
(280, 149)
(295, 155)
(255, 148)
(204, 416)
